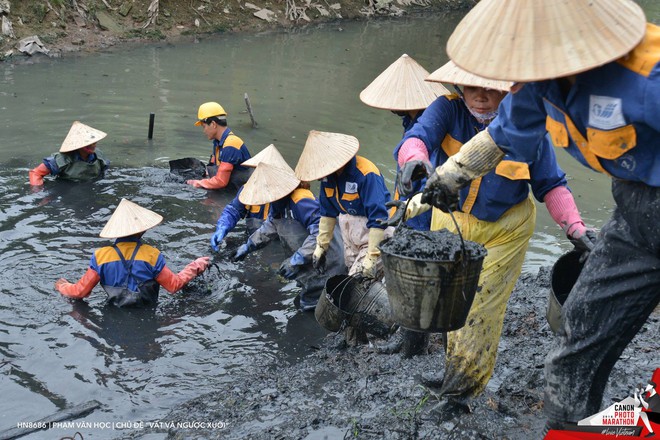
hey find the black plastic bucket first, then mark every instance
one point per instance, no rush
(188, 168)
(565, 273)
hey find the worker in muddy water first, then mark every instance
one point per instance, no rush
(78, 159)
(594, 87)
(294, 219)
(130, 271)
(495, 210)
(402, 89)
(229, 151)
(254, 215)
(353, 193)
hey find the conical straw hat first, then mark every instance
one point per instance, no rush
(80, 135)
(402, 87)
(325, 153)
(532, 40)
(450, 73)
(270, 155)
(267, 184)
(128, 219)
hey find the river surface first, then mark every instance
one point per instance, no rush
(54, 353)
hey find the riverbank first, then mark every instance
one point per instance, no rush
(340, 392)
(55, 28)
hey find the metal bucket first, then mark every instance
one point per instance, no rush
(565, 273)
(431, 295)
(357, 302)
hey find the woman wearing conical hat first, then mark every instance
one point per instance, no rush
(130, 271)
(353, 193)
(589, 74)
(495, 210)
(402, 88)
(78, 159)
(254, 215)
(294, 219)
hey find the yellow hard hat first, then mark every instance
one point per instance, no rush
(208, 110)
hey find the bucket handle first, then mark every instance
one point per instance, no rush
(460, 235)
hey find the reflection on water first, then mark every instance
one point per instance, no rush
(55, 353)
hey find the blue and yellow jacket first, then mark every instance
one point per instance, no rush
(229, 149)
(147, 265)
(608, 120)
(358, 190)
(447, 124)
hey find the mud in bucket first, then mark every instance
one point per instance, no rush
(357, 302)
(431, 278)
(565, 273)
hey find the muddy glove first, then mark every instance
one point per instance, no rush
(291, 266)
(242, 251)
(561, 205)
(197, 266)
(326, 229)
(376, 235)
(218, 236)
(584, 239)
(412, 171)
(173, 282)
(476, 158)
(405, 210)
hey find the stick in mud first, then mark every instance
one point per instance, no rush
(249, 109)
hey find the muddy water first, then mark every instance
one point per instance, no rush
(54, 353)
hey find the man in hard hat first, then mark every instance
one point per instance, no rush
(130, 271)
(78, 159)
(496, 210)
(593, 84)
(229, 151)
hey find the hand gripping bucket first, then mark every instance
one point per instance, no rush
(432, 295)
(357, 302)
(565, 273)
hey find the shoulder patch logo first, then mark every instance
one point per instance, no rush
(605, 112)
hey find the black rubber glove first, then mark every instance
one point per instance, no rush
(398, 216)
(585, 243)
(410, 172)
(437, 193)
(318, 262)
